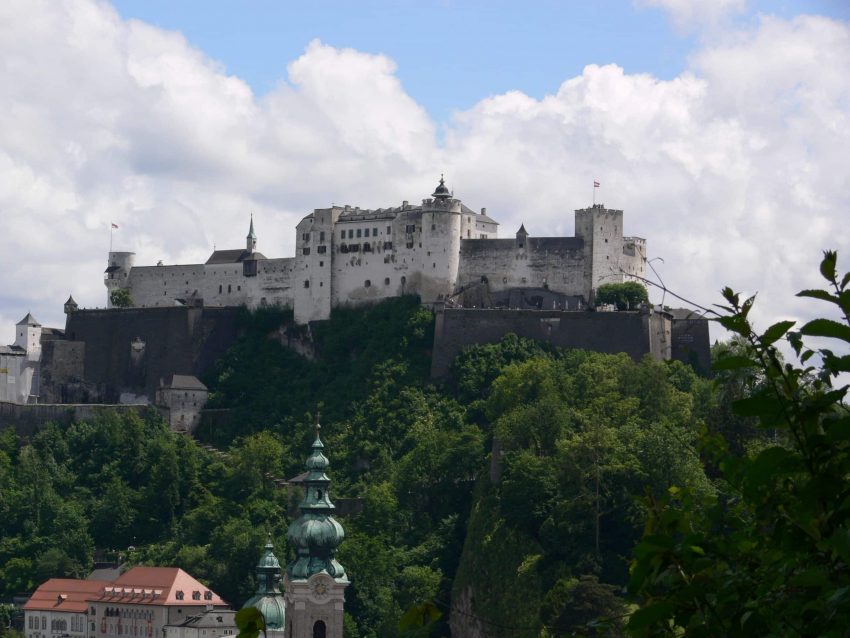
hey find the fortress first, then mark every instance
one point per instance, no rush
(441, 250)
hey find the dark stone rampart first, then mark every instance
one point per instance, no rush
(458, 328)
(28, 419)
(128, 351)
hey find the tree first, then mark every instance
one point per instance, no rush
(120, 298)
(628, 295)
(769, 555)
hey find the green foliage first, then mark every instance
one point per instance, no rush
(250, 622)
(120, 298)
(768, 554)
(628, 295)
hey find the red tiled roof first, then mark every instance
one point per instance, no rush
(157, 586)
(65, 594)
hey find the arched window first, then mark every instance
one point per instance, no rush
(319, 630)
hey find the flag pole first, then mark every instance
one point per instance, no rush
(110, 236)
(594, 192)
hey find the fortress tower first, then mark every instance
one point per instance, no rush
(315, 582)
(117, 273)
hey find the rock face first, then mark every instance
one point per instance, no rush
(463, 621)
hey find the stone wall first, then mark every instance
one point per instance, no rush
(129, 351)
(28, 419)
(62, 372)
(634, 333)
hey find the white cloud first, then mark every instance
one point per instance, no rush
(689, 15)
(734, 171)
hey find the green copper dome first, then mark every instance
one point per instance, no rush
(268, 599)
(316, 534)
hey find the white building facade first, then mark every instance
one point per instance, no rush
(349, 256)
(19, 363)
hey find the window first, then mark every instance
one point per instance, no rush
(321, 235)
(342, 234)
(228, 289)
(305, 251)
(388, 245)
(367, 283)
(374, 232)
(350, 234)
(321, 264)
(433, 226)
(389, 230)
(367, 247)
(179, 595)
(409, 244)
(365, 232)
(410, 229)
(386, 281)
(322, 250)
(196, 595)
(238, 288)
(403, 280)
(355, 248)
(306, 283)
(359, 232)
(319, 629)
(305, 236)
(207, 595)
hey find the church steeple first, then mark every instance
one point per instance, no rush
(268, 598)
(315, 581)
(251, 239)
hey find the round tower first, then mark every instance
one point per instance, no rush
(315, 582)
(117, 273)
(268, 598)
(441, 234)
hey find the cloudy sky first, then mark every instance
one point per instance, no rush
(721, 127)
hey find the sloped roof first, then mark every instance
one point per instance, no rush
(29, 320)
(15, 350)
(184, 382)
(65, 594)
(232, 256)
(212, 618)
(171, 585)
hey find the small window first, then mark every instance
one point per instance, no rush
(342, 234)
(306, 236)
(359, 232)
(389, 230)
(208, 595)
(228, 288)
(322, 250)
(179, 595)
(196, 595)
(374, 232)
(410, 229)
(238, 288)
(366, 232)
(386, 281)
(403, 280)
(350, 234)
(306, 283)
(321, 264)
(409, 244)
(388, 245)
(367, 247)
(305, 251)
(433, 226)
(321, 235)
(367, 283)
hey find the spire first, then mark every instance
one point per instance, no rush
(316, 534)
(251, 239)
(29, 320)
(70, 305)
(522, 231)
(268, 597)
(442, 191)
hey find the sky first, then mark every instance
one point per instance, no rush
(720, 127)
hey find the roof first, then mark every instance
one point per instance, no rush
(71, 301)
(184, 382)
(228, 256)
(212, 618)
(64, 594)
(682, 314)
(157, 586)
(105, 573)
(15, 350)
(29, 320)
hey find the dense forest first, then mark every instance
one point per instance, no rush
(538, 492)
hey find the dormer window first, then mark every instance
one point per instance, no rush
(179, 595)
(207, 595)
(196, 595)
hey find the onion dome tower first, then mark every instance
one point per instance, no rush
(268, 598)
(442, 191)
(315, 581)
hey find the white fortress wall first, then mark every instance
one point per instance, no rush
(274, 282)
(152, 286)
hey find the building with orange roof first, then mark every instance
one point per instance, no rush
(140, 603)
(60, 607)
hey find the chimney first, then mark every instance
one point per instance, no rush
(483, 211)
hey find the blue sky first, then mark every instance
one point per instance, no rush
(450, 54)
(720, 127)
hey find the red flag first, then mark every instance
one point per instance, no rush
(115, 225)
(595, 185)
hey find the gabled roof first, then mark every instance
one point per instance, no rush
(228, 256)
(29, 320)
(184, 382)
(158, 586)
(65, 594)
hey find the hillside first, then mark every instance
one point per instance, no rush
(580, 434)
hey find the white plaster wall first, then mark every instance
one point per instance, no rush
(155, 286)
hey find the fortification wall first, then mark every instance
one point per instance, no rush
(155, 286)
(131, 350)
(555, 263)
(63, 372)
(28, 419)
(457, 328)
